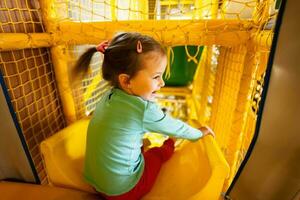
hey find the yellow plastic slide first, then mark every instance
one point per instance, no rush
(196, 171)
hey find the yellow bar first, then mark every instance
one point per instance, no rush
(166, 3)
(180, 91)
(142, 6)
(263, 39)
(171, 33)
(49, 15)
(203, 85)
(59, 59)
(113, 10)
(13, 41)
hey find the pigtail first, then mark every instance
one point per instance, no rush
(81, 67)
(83, 63)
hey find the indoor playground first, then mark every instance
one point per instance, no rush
(220, 55)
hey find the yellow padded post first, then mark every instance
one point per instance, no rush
(26, 191)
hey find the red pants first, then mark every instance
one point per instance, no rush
(154, 158)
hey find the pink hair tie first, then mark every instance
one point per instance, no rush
(139, 47)
(102, 46)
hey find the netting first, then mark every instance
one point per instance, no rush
(29, 77)
(20, 16)
(226, 88)
(30, 80)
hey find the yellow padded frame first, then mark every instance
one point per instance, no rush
(196, 171)
(27, 191)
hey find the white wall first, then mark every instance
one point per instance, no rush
(13, 161)
(273, 170)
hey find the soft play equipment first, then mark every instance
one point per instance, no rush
(196, 171)
(219, 85)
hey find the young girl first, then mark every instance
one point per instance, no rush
(115, 164)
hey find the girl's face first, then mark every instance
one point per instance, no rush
(148, 80)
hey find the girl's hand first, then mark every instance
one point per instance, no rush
(173, 138)
(206, 131)
(146, 143)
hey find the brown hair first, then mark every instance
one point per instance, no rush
(121, 55)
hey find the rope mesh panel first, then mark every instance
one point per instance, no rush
(20, 17)
(30, 80)
(31, 85)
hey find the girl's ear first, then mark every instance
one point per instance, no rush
(124, 80)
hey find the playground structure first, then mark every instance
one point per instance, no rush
(40, 41)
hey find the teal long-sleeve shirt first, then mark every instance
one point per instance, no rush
(114, 162)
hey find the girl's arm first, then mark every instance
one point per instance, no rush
(155, 120)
